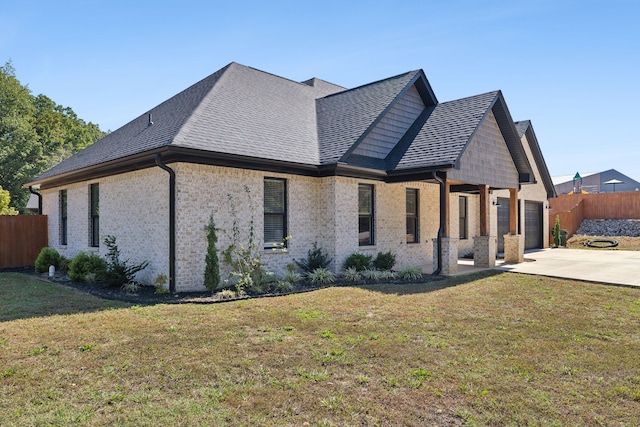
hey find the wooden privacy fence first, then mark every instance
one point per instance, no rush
(21, 239)
(574, 208)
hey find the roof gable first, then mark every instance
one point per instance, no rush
(486, 159)
(525, 130)
(440, 138)
(345, 119)
(384, 136)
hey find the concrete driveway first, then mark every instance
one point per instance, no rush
(605, 266)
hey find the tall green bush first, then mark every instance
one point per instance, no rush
(384, 261)
(87, 267)
(556, 232)
(47, 257)
(119, 272)
(212, 263)
(358, 260)
(315, 259)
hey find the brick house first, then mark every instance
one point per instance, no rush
(381, 167)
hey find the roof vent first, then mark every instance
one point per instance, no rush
(150, 120)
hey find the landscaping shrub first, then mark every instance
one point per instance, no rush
(87, 267)
(358, 260)
(118, 272)
(47, 257)
(212, 264)
(322, 276)
(284, 286)
(410, 273)
(556, 232)
(384, 261)
(315, 259)
(371, 274)
(351, 274)
(159, 283)
(388, 275)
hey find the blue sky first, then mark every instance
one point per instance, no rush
(571, 67)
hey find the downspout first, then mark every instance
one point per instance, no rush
(441, 228)
(32, 191)
(172, 223)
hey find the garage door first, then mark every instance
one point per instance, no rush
(532, 225)
(503, 222)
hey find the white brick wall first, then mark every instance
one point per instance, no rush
(135, 208)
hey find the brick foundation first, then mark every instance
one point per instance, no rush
(513, 248)
(484, 251)
(449, 255)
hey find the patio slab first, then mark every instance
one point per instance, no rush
(602, 266)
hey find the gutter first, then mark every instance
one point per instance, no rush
(32, 191)
(172, 222)
(441, 227)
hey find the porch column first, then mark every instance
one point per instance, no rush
(484, 246)
(513, 242)
(449, 244)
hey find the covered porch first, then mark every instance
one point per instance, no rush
(447, 260)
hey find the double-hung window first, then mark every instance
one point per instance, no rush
(275, 212)
(365, 215)
(94, 215)
(63, 216)
(412, 215)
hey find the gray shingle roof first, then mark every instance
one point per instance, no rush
(522, 127)
(444, 134)
(137, 136)
(241, 111)
(237, 110)
(345, 117)
(256, 114)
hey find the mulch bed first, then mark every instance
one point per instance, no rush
(147, 294)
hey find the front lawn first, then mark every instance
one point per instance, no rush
(489, 349)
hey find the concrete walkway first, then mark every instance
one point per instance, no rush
(604, 266)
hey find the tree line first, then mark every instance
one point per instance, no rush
(35, 134)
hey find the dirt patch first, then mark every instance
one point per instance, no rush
(624, 243)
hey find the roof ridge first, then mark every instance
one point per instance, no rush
(492, 93)
(373, 83)
(279, 77)
(322, 80)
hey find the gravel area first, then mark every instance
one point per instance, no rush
(610, 227)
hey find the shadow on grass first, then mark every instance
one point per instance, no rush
(432, 285)
(23, 296)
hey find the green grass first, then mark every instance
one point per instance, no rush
(490, 349)
(22, 296)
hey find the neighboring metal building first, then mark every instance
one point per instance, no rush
(609, 181)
